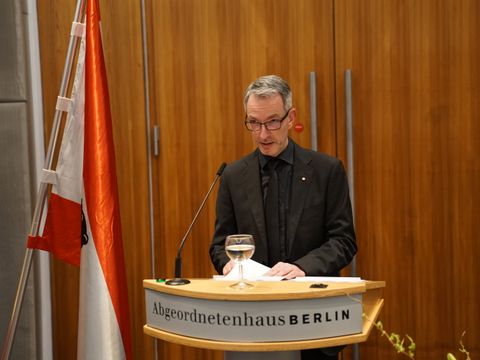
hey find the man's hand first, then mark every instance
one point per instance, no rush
(288, 271)
(228, 267)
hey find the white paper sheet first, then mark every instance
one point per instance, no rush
(254, 271)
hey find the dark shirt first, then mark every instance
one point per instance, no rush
(284, 170)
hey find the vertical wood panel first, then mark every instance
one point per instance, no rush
(123, 55)
(417, 136)
(203, 54)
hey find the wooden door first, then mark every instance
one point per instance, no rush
(203, 54)
(417, 139)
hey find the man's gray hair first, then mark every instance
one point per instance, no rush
(269, 85)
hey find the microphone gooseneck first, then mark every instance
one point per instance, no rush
(178, 280)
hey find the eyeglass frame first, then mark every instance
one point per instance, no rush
(266, 123)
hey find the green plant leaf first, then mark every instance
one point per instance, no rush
(379, 325)
(412, 345)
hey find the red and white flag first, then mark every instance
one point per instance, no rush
(82, 226)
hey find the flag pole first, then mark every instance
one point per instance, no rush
(42, 191)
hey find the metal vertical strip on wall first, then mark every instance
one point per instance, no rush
(149, 148)
(313, 110)
(349, 138)
(350, 170)
(148, 132)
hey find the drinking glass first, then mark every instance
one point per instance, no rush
(240, 247)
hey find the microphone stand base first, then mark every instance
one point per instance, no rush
(177, 281)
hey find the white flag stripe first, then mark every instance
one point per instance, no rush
(69, 167)
(98, 330)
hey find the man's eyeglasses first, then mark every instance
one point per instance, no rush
(274, 124)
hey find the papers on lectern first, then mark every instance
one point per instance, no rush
(254, 271)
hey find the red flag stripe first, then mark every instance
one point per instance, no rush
(63, 222)
(101, 192)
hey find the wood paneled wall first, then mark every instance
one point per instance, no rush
(417, 140)
(417, 129)
(203, 55)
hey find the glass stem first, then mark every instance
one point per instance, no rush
(240, 270)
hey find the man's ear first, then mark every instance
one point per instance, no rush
(292, 116)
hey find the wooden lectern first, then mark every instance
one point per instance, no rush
(271, 316)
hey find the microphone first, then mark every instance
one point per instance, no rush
(178, 280)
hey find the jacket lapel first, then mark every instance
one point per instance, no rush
(301, 183)
(254, 194)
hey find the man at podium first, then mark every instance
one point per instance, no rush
(294, 201)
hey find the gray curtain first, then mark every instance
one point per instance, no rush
(16, 174)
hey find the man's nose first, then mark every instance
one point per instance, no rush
(264, 132)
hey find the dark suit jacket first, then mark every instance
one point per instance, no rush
(320, 235)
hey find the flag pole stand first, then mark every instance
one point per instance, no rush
(42, 191)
